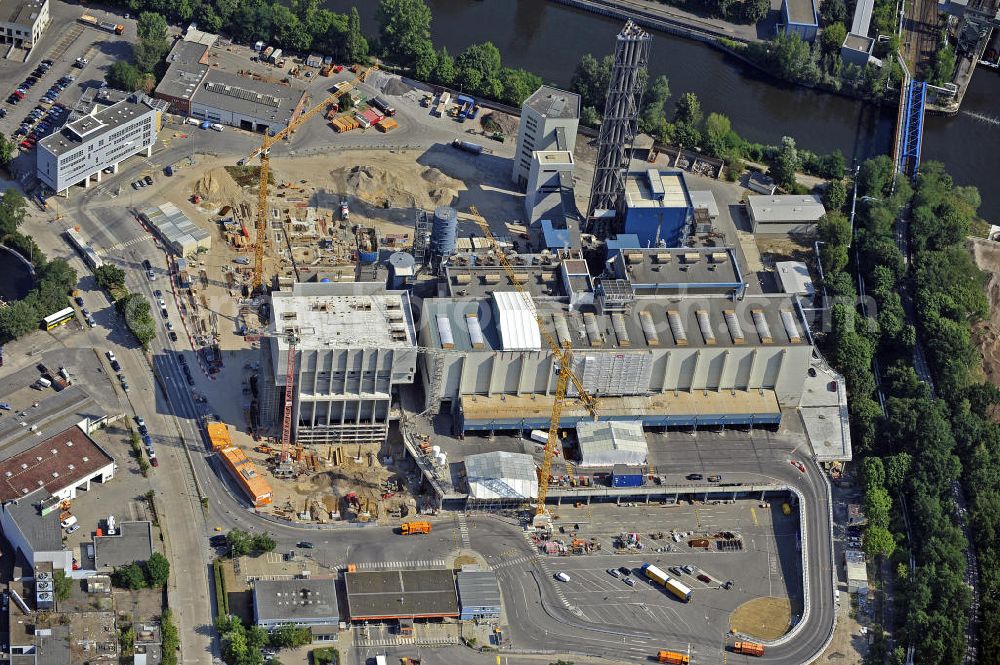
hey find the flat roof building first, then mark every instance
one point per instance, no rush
(301, 602)
(181, 235)
(611, 443)
(401, 594)
(101, 139)
(132, 542)
(857, 571)
(693, 271)
(858, 46)
(501, 475)
(795, 279)
(801, 17)
(355, 342)
(658, 208)
(549, 121)
(59, 466)
(785, 213)
(36, 536)
(478, 595)
(22, 22)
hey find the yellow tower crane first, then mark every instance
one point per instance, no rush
(264, 153)
(562, 355)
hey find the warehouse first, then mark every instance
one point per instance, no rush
(388, 595)
(610, 443)
(478, 595)
(501, 475)
(355, 342)
(304, 603)
(181, 235)
(785, 213)
(719, 361)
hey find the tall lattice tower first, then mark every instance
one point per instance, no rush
(618, 129)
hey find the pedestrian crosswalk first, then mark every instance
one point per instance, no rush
(404, 641)
(463, 530)
(517, 561)
(394, 565)
(128, 243)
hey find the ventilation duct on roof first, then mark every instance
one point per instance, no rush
(475, 331)
(788, 320)
(705, 323)
(444, 332)
(677, 327)
(593, 330)
(618, 323)
(562, 331)
(649, 329)
(733, 323)
(763, 329)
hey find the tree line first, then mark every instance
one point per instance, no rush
(922, 443)
(734, 11)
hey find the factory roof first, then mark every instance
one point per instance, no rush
(57, 413)
(343, 315)
(95, 125)
(649, 323)
(801, 12)
(653, 188)
(794, 277)
(44, 534)
(56, 463)
(295, 600)
(682, 269)
(271, 102)
(391, 594)
(609, 443)
(858, 42)
(862, 17)
(784, 208)
(479, 275)
(20, 12)
(188, 64)
(705, 199)
(478, 588)
(194, 35)
(554, 103)
(132, 542)
(501, 475)
(174, 225)
(515, 317)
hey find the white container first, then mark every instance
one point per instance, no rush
(44, 383)
(436, 450)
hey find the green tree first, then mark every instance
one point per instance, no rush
(7, 151)
(240, 542)
(875, 176)
(896, 470)
(944, 66)
(263, 542)
(873, 472)
(590, 80)
(109, 277)
(654, 105)
(755, 11)
(878, 542)
(833, 11)
(289, 637)
(444, 69)
(345, 102)
(157, 570)
(835, 195)
(137, 317)
(719, 136)
(129, 577)
(63, 586)
(590, 116)
(13, 209)
(288, 30)
(208, 19)
(357, 45)
(123, 76)
(688, 110)
(786, 163)
(877, 506)
(833, 37)
(404, 30)
(152, 26)
(18, 319)
(518, 84)
(58, 274)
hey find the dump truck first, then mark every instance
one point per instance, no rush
(748, 648)
(673, 657)
(412, 528)
(386, 125)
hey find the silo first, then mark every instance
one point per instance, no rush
(443, 232)
(401, 269)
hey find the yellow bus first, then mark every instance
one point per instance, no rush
(62, 317)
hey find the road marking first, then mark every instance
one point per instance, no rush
(128, 243)
(463, 530)
(753, 514)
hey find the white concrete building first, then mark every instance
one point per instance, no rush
(549, 120)
(22, 22)
(550, 172)
(102, 139)
(354, 342)
(785, 213)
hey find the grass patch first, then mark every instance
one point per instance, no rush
(325, 656)
(248, 175)
(765, 618)
(221, 597)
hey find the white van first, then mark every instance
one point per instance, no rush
(217, 127)
(68, 522)
(562, 577)
(193, 121)
(43, 383)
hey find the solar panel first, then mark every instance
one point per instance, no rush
(244, 94)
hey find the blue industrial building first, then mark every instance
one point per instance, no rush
(801, 17)
(658, 209)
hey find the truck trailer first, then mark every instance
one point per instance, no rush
(413, 528)
(673, 657)
(671, 585)
(748, 648)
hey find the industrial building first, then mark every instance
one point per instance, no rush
(794, 278)
(549, 121)
(501, 475)
(60, 466)
(191, 87)
(858, 46)
(132, 542)
(785, 213)
(692, 271)
(101, 139)
(550, 174)
(304, 603)
(401, 594)
(478, 595)
(658, 208)
(802, 17)
(179, 233)
(857, 571)
(611, 443)
(22, 22)
(34, 535)
(354, 343)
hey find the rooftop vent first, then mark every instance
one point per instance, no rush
(677, 327)
(705, 323)
(735, 329)
(763, 329)
(649, 329)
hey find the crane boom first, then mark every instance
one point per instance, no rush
(264, 153)
(561, 354)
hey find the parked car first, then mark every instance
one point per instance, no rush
(149, 181)
(73, 529)
(172, 335)
(695, 476)
(562, 577)
(629, 581)
(625, 570)
(305, 544)
(715, 478)
(613, 572)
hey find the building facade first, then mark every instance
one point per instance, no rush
(101, 139)
(549, 120)
(658, 207)
(23, 22)
(785, 213)
(801, 17)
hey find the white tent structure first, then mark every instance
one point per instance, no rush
(501, 475)
(610, 443)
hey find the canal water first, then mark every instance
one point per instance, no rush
(15, 277)
(550, 39)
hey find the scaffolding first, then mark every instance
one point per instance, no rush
(421, 236)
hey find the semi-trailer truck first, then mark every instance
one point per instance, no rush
(673, 657)
(412, 528)
(748, 648)
(671, 585)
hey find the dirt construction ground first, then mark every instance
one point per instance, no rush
(763, 618)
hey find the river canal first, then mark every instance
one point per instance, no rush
(549, 39)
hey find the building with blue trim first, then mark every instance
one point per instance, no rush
(802, 17)
(658, 207)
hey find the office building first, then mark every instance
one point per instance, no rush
(658, 208)
(22, 22)
(101, 139)
(549, 120)
(354, 343)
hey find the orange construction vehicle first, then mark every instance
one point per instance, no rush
(749, 648)
(673, 657)
(411, 528)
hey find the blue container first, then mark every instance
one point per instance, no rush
(443, 231)
(368, 257)
(626, 476)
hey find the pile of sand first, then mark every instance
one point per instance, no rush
(396, 87)
(217, 186)
(384, 188)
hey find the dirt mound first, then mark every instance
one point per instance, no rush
(218, 186)
(396, 88)
(385, 188)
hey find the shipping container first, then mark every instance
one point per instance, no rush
(673, 657)
(386, 124)
(246, 475)
(626, 476)
(467, 146)
(749, 648)
(275, 55)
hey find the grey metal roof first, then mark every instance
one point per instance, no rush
(295, 600)
(677, 268)
(272, 102)
(858, 43)
(705, 199)
(42, 533)
(862, 17)
(554, 103)
(174, 225)
(501, 474)
(20, 12)
(185, 72)
(783, 208)
(401, 593)
(608, 443)
(133, 542)
(478, 589)
(52, 645)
